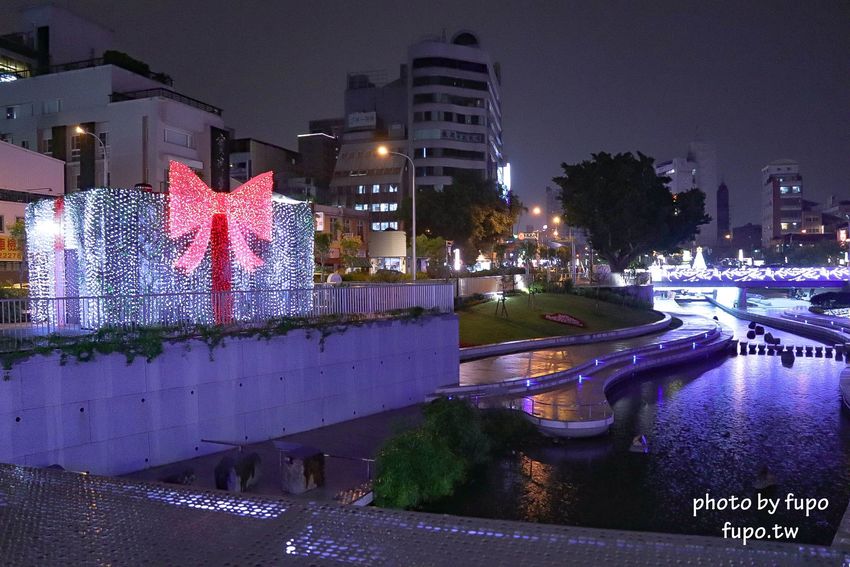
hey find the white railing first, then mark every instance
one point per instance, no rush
(28, 317)
(466, 287)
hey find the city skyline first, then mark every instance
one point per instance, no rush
(573, 81)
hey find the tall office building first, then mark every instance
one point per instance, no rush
(375, 115)
(782, 201)
(697, 170)
(455, 110)
(443, 110)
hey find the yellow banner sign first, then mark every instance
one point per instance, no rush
(10, 251)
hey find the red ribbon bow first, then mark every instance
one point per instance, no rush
(192, 206)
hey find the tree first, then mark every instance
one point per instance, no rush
(528, 250)
(478, 218)
(349, 246)
(432, 248)
(626, 209)
(322, 247)
(500, 249)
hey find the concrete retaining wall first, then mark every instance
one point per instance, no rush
(108, 417)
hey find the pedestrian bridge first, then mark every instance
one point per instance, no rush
(747, 277)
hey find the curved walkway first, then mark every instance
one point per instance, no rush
(547, 361)
(509, 347)
(562, 390)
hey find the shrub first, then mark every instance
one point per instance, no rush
(831, 299)
(458, 425)
(415, 468)
(470, 301)
(389, 276)
(426, 464)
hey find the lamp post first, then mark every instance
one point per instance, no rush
(81, 130)
(384, 151)
(556, 221)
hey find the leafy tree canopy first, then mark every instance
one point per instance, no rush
(349, 246)
(626, 209)
(470, 212)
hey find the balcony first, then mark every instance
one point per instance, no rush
(119, 60)
(165, 93)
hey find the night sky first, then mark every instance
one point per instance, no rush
(761, 80)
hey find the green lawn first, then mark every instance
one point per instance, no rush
(479, 324)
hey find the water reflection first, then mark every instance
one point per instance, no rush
(711, 428)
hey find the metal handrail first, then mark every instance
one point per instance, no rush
(27, 317)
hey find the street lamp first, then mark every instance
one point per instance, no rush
(556, 221)
(81, 130)
(383, 151)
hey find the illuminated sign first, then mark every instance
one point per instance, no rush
(10, 251)
(319, 219)
(362, 120)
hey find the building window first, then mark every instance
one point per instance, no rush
(51, 106)
(377, 226)
(25, 144)
(76, 141)
(11, 112)
(2, 223)
(376, 207)
(393, 206)
(376, 188)
(361, 207)
(393, 188)
(429, 134)
(178, 138)
(361, 189)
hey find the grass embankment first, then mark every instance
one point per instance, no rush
(479, 324)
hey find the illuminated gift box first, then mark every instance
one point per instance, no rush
(124, 256)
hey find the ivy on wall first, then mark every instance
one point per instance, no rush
(149, 342)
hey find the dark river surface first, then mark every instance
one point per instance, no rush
(711, 427)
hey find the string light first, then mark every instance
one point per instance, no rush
(124, 250)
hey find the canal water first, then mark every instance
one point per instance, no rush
(711, 428)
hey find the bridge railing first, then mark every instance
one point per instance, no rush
(801, 276)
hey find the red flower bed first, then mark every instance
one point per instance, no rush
(563, 319)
